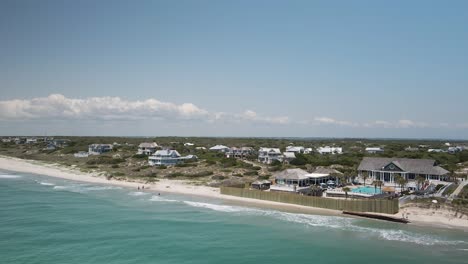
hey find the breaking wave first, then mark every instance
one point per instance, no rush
(46, 183)
(333, 222)
(9, 176)
(137, 193)
(156, 198)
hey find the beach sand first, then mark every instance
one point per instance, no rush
(418, 216)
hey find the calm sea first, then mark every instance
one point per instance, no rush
(48, 220)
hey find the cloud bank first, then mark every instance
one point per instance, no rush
(59, 107)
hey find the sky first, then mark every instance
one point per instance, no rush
(378, 69)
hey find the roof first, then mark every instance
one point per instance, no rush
(218, 147)
(294, 148)
(261, 182)
(274, 150)
(166, 152)
(416, 166)
(374, 149)
(148, 145)
(321, 170)
(292, 174)
(289, 155)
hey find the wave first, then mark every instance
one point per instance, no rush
(46, 183)
(333, 222)
(85, 188)
(157, 198)
(137, 193)
(9, 176)
(220, 208)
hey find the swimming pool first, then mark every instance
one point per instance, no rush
(367, 190)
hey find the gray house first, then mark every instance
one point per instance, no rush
(385, 169)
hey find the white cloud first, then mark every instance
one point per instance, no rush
(331, 121)
(59, 107)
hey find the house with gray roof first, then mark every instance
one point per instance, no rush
(147, 148)
(291, 180)
(168, 157)
(386, 169)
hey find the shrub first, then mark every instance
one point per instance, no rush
(251, 173)
(257, 168)
(115, 166)
(140, 156)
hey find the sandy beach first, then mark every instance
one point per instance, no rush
(417, 216)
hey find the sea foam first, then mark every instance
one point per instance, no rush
(9, 176)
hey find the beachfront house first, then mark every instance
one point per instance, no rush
(291, 180)
(98, 149)
(220, 148)
(268, 155)
(295, 149)
(168, 157)
(329, 150)
(147, 148)
(374, 150)
(386, 169)
(239, 153)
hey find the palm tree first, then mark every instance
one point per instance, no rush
(346, 190)
(364, 176)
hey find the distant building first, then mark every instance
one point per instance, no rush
(147, 148)
(220, 148)
(295, 149)
(288, 156)
(98, 149)
(268, 155)
(435, 150)
(374, 150)
(200, 148)
(385, 169)
(308, 150)
(330, 150)
(31, 140)
(188, 144)
(168, 158)
(6, 140)
(240, 153)
(411, 149)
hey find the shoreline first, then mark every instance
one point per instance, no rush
(417, 216)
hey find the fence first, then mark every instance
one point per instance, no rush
(361, 205)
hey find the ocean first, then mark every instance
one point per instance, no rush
(49, 220)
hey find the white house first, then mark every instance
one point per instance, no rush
(200, 148)
(374, 150)
(188, 144)
(31, 140)
(168, 157)
(435, 150)
(295, 149)
(241, 152)
(268, 155)
(147, 148)
(98, 149)
(6, 140)
(308, 150)
(288, 156)
(330, 150)
(220, 148)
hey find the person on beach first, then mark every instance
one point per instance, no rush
(138, 187)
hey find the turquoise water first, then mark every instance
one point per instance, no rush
(367, 190)
(48, 220)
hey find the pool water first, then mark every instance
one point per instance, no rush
(367, 190)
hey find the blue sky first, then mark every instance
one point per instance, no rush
(242, 68)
